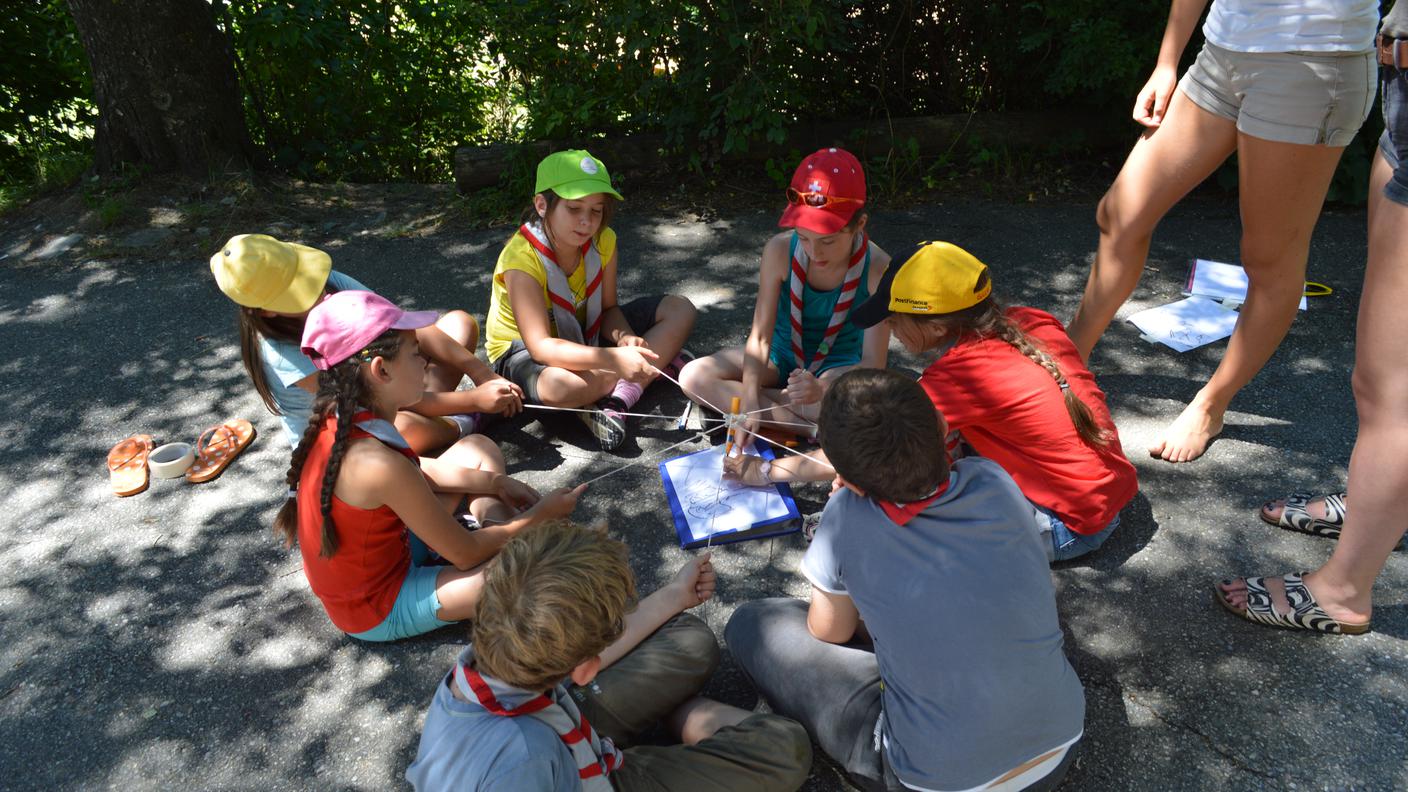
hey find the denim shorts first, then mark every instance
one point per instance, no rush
(1063, 544)
(1394, 141)
(1306, 98)
(414, 610)
(518, 366)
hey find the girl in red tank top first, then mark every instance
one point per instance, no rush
(368, 514)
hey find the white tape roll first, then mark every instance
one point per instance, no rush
(171, 460)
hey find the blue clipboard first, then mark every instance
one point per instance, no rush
(791, 522)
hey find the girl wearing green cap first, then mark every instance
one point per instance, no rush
(555, 328)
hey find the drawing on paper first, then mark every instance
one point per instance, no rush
(711, 505)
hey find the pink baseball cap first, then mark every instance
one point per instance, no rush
(343, 324)
(827, 190)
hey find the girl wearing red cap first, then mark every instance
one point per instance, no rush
(365, 511)
(811, 277)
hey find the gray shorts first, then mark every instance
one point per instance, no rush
(518, 366)
(1306, 98)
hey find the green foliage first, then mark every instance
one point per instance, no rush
(360, 89)
(45, 115)
(375, 90)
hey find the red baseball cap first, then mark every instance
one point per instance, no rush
(827, 190)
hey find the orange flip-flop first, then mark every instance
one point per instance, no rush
(127, 465)
(217, 447)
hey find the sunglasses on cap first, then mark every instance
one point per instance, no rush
(816, 199)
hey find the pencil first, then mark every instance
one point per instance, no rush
(733, 409)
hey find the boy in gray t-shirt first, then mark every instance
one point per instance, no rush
(930, 656)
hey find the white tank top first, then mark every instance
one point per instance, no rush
(1306, 26)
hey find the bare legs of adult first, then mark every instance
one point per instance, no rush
(1282, 189)
(1378, 468)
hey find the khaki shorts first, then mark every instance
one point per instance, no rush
(1307, 98)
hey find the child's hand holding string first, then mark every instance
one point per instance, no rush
(746, 469)
(635, 363)
(558, 503)
(514, 493)
(803, 388)
(694, 583)
(499, 395)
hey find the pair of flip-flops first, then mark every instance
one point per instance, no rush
(215, 449)
(1305, 613)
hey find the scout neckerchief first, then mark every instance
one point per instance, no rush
(901, 513)
(385, 431)
(860, 258)
(563, 303)
(595, 755)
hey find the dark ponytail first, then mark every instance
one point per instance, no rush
(341, 392)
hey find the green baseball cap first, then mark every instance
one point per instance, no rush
(574, 174)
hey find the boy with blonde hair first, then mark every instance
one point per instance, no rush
(566, 670)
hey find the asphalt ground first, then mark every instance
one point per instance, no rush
(168, 641)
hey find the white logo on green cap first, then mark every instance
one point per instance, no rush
(589, 166)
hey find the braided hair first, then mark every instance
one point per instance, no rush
(988, 319)
(341, 392)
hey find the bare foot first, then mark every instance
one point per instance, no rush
(1331, 599)
(1188, 436)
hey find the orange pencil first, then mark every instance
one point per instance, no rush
(733, 412)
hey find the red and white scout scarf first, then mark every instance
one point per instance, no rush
(901, 513)
(596, 756)
(860, 256)
(562, 301)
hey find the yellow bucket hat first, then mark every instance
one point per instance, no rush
(932, 279)
(258, 271)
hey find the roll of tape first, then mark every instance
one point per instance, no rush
(171, 460)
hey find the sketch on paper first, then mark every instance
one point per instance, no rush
(1186, 324)
(706, 505)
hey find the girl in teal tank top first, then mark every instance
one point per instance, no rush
(817, 307)
(801, 339)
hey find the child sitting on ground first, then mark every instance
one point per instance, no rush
(366, 513)
(555, 328)
(565, 671)
(276, 284)
(811, 276)
(965, 685)
(1011, 386)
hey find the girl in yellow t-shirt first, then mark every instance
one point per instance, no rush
(554, 325)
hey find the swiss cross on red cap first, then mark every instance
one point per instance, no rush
(827, 189)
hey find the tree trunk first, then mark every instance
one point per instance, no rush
(164, 84)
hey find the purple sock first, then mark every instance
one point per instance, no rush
(467, 423)
(627, 392)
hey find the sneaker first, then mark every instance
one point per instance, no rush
(606, 424)
(674, 367)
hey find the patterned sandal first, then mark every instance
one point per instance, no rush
(127, 465)
(217, 447)
(1296, 515)
(1306, 613)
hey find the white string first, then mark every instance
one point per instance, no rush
(687, 392)
(647, 458)
(770, 421)
(586, 410)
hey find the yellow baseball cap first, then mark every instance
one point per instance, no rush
(932, 279)
(258, 271)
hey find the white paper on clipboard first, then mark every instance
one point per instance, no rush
(1219, 281)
